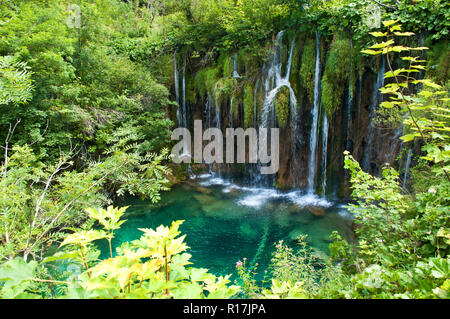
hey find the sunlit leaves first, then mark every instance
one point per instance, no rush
(16, 276)
(378, 34)
(82, 238)
(15, 81)
(152, 267)
(372, 52)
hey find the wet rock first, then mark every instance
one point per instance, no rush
(317, 211)
(282, 219)
(203, 190)
(319, 254)
(296, 233)
(204, 199)
(248, 231)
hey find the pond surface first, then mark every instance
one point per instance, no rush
(225, 222)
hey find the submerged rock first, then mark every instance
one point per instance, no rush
(317, 211)
(203, 190)
(296, 233)
(204, 198)
(319, 254)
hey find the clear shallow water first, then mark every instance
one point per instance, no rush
(225, 222)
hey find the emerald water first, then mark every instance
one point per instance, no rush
(225, 222)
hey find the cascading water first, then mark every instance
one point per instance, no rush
(177, 89)
(184, 122)
(273, 84)
(349, 99)
(324, 152)
(407, 165)
(235, 66)
(376, 100)
(358, 109)
(315, 117)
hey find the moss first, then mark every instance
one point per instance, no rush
(205, 80)
(330, 98)
(225, 65)
(295, 76)
(336, 74)
(224, 89)
(237, 100)
(260, 96)
(338, 61)
(438, 64)
(250, 59)
(282, 103)
(191, 92)
(307, 67)
(249, 101)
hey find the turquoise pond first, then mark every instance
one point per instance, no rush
(225, 222)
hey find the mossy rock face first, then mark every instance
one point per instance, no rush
(336, 74)
(307, 67)
(237, 101)
(205, 80)
(282, 103)
(248, 105)
(224, 90)
(191, 92)
(225, 63)
(438, 61)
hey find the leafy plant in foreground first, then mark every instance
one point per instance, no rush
(154, 266)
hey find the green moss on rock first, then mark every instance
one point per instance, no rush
(336, 74)
(205, 80)
(224, 89)
(248, 105)
(225, 64)
(307, 67)
(282, 103)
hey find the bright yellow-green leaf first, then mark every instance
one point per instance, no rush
(390, 22)
(378, 34)
(371, 52)
(404, 34)
(382, 44)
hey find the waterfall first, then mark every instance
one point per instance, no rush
(315, 115)
(407, 165)
(235, 66)
(274, 81)
(214, 121)
(230, 125)
(324, 152)
(177, 89)
(208, 121)
(184, 95)
(359, 101)
(231, 113)
(349, 98)
(376, 100)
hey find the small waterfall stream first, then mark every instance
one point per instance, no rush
(177, 89)
(315, 118)
(235, 66)
(376, 100)
(407, 165)
(349, 99)
(324, 152)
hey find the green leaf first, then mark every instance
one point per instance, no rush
(371, 52)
